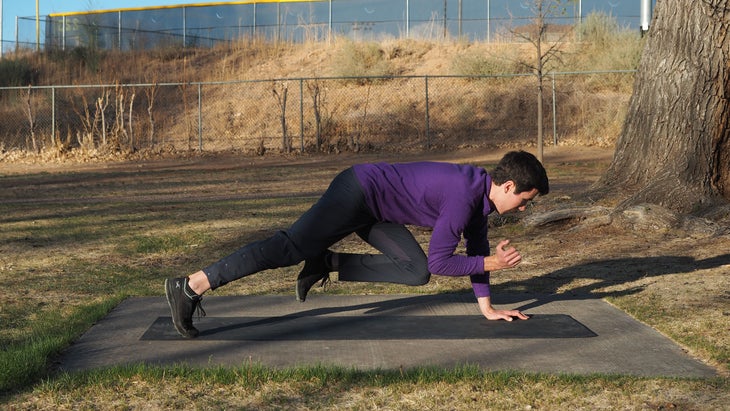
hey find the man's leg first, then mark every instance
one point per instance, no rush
(403, 260)
(339, 212)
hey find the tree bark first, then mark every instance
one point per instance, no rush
(674, 149)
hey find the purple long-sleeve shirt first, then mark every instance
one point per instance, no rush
(452, 199)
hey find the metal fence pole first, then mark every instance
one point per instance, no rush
(119, 30)
(301, 113)
(200, 116)
(489, 20)
(329, 18)
(408, 20)
(428, 134)
(555, 127)
(53, 113)
(37, 26)
(63, 35)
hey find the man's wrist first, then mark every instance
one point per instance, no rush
(490, 263)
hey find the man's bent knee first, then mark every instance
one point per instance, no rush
(417, 275)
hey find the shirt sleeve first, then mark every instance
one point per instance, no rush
(480, 285)
(477, 243)
(442, 259)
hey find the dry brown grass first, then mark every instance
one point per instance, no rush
(75, 234)
(245, 116)
(522, 393)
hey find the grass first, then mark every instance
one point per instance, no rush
(74, 244)
(252, 386)
(24, 362)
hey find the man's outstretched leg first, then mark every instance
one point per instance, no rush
(184, 293)
(339, 212)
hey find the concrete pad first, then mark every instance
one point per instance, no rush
(564, 335)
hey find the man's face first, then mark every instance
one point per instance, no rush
(505, 199)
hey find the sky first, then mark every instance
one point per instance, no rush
(26, 8)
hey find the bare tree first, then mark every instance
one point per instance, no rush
(281, 92)
(31, 121)
(546, 50)
(101, 104)
(151, 94)
(188, 125)
(356, 136)
(674, 149)
(316, 91)
(132, 144)
(86, 138)
(118, 128)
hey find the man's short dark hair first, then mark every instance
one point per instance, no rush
(524, 169)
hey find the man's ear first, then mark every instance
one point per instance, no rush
(508, 185)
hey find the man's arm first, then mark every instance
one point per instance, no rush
(485, 306)
(503, 257)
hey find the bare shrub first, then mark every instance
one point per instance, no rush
(362, 60)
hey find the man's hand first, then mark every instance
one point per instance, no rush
(485, 305)
(504, 257)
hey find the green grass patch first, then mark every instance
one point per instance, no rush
(254, 375)
(22, 363)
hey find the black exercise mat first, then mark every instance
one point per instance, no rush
(386, 327)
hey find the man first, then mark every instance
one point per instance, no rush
(376, 201)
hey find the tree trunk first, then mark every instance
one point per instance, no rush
(674, 149)
(540, 57)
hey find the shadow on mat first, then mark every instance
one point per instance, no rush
(395, 307)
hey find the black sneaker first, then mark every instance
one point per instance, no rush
(183, 306)
(314, 270)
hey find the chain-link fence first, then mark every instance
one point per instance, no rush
(208, 24)
(316, 114)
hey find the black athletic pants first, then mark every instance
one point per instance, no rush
(339, 212)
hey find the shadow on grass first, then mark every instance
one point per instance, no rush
(607, 273)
